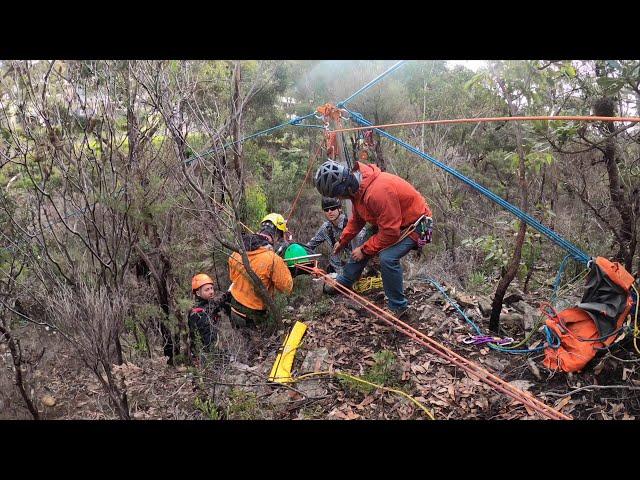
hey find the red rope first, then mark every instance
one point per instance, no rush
(468, 366)
(585, 118)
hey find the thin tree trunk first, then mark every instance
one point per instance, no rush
(621, 201)
(380, 161)
(236, 131)
(514, 263)
(16, 355)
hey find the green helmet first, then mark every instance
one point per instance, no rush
(295, 250)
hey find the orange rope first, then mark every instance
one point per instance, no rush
(470, 367)
(311, 162)
(586, 118)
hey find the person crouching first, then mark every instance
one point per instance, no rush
(248, 309)
(203, 317)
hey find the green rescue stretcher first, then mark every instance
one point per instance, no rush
(297, 254)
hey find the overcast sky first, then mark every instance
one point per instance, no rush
(470, 64)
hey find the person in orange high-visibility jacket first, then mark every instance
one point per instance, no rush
(247, 306)
(389, 203)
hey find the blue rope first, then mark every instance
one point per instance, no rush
(556, 283)
(310, 126)
(578, 254)
(11, 248)
(294, 121)
(371, 83)
(455, 305)
(552, 339)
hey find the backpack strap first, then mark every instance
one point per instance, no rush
(197, 310)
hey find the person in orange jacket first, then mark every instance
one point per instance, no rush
(389, 203)
(247, 306)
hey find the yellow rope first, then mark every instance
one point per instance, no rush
(356, 379)
(367, 283)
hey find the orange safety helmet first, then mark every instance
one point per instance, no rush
(199, 280)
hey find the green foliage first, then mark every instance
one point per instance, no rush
(258, 160)
(478, 283)
(196, 142)
(493, 249)
(285, 174)
(313, 412)
(533, 161)
(256, 204)
(242, 405)
(531, 250)
(321, 307)
(280, 301)
(131, 325)
(497, 255)
(301, 289)
(384, 372)
(208, 408)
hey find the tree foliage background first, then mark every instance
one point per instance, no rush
(115, 187)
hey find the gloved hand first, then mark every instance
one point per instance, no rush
(224, 303)
(281, 248)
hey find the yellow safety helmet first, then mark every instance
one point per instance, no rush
(199, 280)
(277, 220)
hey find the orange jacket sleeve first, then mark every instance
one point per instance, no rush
(281, 277)
(385, 206)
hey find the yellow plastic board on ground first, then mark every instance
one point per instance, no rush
(281, 371)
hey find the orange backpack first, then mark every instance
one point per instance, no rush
(595, 322)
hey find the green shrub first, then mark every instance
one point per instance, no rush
(384, 372)
(256, 204)
(493, 249)
(242, 405)
(208, 408)
(477, 283)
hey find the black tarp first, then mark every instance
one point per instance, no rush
(603, 300)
